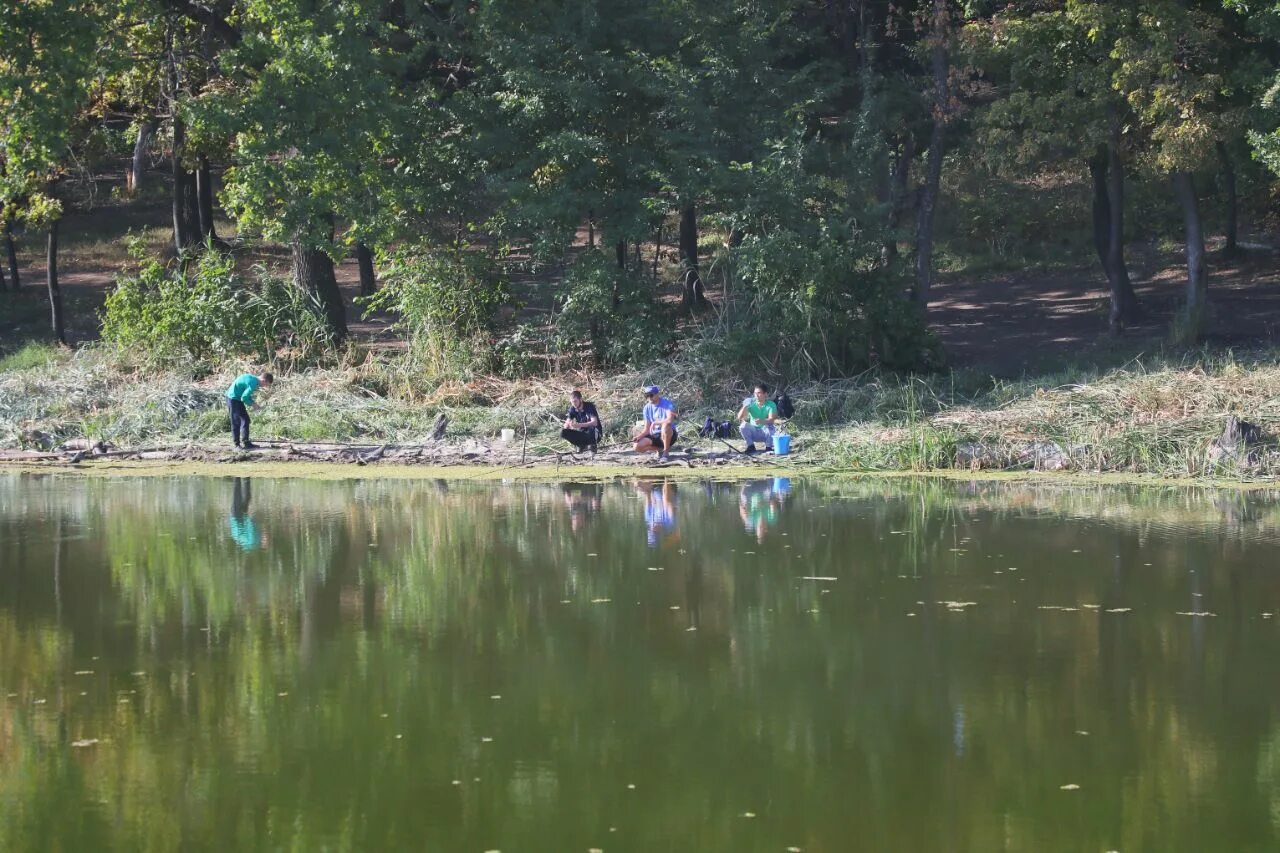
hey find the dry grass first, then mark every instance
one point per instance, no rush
(1154, 417)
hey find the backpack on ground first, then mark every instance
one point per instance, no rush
(715, 429)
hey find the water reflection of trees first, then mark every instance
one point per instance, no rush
(419, 602)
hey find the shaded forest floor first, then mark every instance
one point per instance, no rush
(1004, 324)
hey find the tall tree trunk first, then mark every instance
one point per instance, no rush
(204, 202)
(184, 224)
(621, 250)
(137, 169)
(1232, 245)
(1101, 207)
(657, 251)
(313, 271)
(940, 64)
(364, 260)
(12, 251)
(690, 279)
(1195, 309)
(51, 277)
(1124, 302)
(898, 183)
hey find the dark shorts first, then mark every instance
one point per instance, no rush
(656, 436)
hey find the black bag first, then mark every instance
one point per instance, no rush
(715, 429)
(786, 408)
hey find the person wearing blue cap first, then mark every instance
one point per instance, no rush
(659, 430)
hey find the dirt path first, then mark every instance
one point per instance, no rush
(1017, 323)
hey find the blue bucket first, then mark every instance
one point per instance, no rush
(782, 444)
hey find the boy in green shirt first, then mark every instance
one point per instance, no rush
(757, 418)
(239, 398)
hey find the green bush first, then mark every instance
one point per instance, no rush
(817, 308)
(208, 311)
(447, 300)
(170, 315)
(609, 316)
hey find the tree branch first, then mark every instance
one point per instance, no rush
(216, 23)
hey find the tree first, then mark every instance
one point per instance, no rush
(48, 67)
(1175, 70)
(1054, 104)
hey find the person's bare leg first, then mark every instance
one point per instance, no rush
(666, 438)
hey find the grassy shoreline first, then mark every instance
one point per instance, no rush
(1155, 417)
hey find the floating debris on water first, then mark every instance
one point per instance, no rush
(1057, 607)
(84, 672)
(656, 569)
(1195, 613)
(496, 696)
(1082, 733)
(1092, 606)
(1119, 609)
(958, 605)
(486, 740)
(631, 786)
(817, 578)
(691, 628)
(601, 600)
(1070, 787)
(748, 814)
(81, 744)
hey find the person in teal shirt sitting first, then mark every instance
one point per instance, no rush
(758, 417)
(239, 398)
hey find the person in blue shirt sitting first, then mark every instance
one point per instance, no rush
(582, 426)
(659, 429)
(239, 398)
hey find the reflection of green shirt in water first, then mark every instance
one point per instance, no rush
(759, 506)
(245, 533)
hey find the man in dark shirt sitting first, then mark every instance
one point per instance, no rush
(582, 426)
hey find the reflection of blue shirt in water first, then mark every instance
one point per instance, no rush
(657, 515)
(245, 533)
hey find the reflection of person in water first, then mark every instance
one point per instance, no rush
(244, 531)
(659, 510)
(581, 501)
(759, 504)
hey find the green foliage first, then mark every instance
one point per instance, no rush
(447, 301)
(174, 315)
(609, 316)
(208, 312)
(32, 355)
(814, 297)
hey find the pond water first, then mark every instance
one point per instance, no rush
(773, 665)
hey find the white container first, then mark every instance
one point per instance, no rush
(508, 435)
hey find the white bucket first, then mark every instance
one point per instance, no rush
(508, 435)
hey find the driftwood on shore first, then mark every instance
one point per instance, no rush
(493, 454)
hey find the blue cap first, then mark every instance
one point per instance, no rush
(652, 389)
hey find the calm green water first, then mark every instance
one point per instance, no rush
(205, 664)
